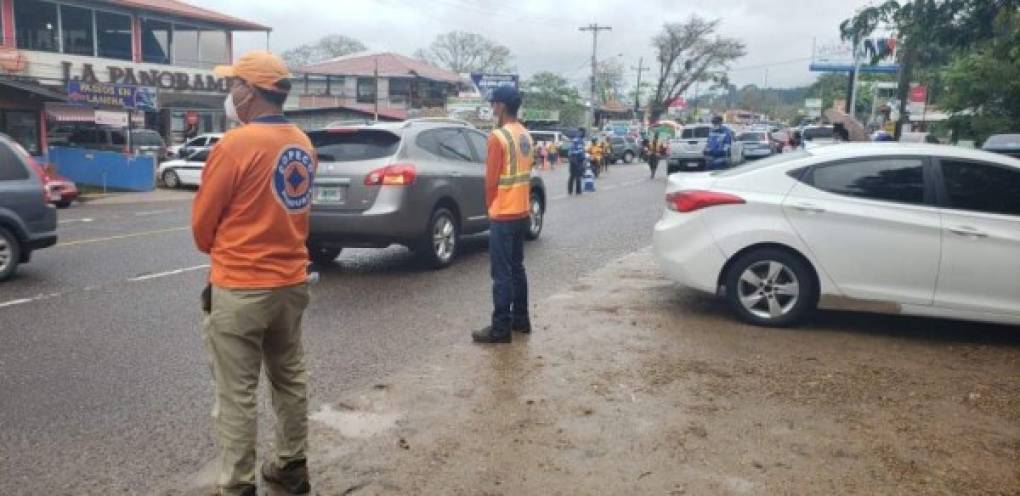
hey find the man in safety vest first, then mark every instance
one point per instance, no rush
(507, 195)
(251, 217)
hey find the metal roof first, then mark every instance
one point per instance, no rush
(185, 10)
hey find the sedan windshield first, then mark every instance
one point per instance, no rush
(753, 137)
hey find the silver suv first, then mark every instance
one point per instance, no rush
(27, 221)
(418, 183)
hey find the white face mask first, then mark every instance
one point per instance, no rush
(231, 109)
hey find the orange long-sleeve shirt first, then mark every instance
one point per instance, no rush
(251, 212)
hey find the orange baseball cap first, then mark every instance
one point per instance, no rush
(257, 67)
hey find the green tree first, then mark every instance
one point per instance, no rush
(326, 48)
(550, 91)
(983, 84)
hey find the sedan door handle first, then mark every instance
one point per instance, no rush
(968, 232)
(808, 207)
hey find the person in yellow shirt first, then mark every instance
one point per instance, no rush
(553, 154)
(596, 156)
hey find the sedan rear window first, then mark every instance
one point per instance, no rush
(887, 179)
(352, 146)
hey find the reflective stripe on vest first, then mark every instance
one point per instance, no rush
(511, 177)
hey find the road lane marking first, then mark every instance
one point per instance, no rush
(153, 212)
(122, 236)
(22, 301)
(69, 221)
(157, 275)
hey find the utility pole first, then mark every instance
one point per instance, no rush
(594, 28)
(637, 89)
(375, 73)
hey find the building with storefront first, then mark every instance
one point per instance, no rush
(363, 85)
(62, 61)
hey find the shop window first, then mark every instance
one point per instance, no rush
(76, 26)
(114, 33)
(186, 45)
(400, 91)
(366, 90)
(156, 41)
(36, 25)
(213, 47)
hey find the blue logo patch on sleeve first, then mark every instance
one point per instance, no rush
(292, 179)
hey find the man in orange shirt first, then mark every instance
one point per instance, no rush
(508, 165)
(251, 217)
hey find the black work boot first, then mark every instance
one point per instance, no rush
(293, 476)
(522, 326)
(490, 335)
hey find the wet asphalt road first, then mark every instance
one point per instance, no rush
(104, 384)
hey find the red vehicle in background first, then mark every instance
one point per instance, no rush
(60, 190)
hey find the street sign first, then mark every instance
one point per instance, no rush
(485, 83)
(919, 93)
(839, 56)
(540, 115)
(111, 118)
(113, 95)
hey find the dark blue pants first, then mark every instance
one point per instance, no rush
(509, 282)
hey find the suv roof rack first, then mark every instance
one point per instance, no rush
(436, 120)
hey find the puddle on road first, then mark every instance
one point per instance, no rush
(353, 423)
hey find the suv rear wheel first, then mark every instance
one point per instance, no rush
(10, 254)
(536, 213)
(442, 239)
(628, 157)
(323, 255)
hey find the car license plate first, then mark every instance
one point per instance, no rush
(692, 165)
(329, 194)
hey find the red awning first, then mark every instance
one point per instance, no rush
(70, 113)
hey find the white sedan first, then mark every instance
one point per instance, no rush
(912, 229)
(183, 171)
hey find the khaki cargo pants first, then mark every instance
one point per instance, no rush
(245, 329)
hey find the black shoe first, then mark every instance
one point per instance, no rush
(522, 326)
(488, 335)
(293, 477)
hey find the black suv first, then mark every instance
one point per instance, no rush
(27, 221)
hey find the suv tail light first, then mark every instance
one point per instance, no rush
(691, 200)
(392, 175)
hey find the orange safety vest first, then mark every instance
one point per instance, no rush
(514, 188)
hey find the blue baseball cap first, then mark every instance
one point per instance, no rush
(507, 95)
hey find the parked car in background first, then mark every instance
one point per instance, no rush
(919, 138)
(1006, 144)
(910, 229)
(61, 190)
(623, 148)
(779, 139)
(200, 142)
(418, 183)
(688, 151)
(27, 221)
(756, 144)
(183, 171)
(817, 135)
(142, 141)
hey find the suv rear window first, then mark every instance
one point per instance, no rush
(817, 132)
(347, 146)
(11, 167)
(695, 132)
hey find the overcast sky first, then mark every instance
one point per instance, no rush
(543, 35)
